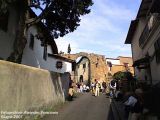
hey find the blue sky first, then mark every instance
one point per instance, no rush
(104, 30)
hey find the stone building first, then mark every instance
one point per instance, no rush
(93, 66)
(82, 71)
(120, 63)
(97, 65)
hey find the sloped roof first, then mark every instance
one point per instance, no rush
(61, 57)
(131, 31)
(143, 11)
(144, 8)
(83, 57)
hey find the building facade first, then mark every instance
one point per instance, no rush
(40, 46)
(97, 65)
(82, 72)
(144, 37)
(120, 63)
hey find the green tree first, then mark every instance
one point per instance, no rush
(119, 75)
(123, 75)
(129, 76)
(60, 17)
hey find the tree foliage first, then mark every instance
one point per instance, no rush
(123, 75)
(59, 16)
(119, 75)
(64, 15)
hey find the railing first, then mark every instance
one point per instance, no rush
(149, 27)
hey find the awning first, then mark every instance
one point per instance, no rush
(141, 63)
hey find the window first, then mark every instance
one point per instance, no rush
(157, 50)
(4, 21)
(73, 66)
(126, 66)
(147, 30)
(31, 43)
(84, 65)
(81, 78)
(109, 63)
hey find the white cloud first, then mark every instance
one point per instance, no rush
(102, 31)
(63, 45)
(114, 10)
(93, 23)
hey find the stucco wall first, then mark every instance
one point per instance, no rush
(136, 50)
(147, 49)
(83, 71)
(155, 67)
(118, 64)
(125, 60)
(23, 87)
(117, 68)
(98, 71)
(113, 61)
(34, 57)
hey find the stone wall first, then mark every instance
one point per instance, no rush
(97, 64)
(83, 70)
(118, 64)
(125, 60)
(23, 87)
(117, 68)
(99, 68)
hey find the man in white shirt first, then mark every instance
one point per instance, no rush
(97, 86)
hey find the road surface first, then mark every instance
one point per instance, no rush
(85, 107)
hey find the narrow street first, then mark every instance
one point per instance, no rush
(85, 107)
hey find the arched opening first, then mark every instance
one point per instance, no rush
(83, 70)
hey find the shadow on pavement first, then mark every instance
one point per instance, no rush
(110, 114)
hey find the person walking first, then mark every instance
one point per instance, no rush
(97, 88)
(70, 93)
(104, 87)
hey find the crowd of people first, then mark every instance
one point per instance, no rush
(133, 100)
(95, 88)
(113, 89)
(98, 87)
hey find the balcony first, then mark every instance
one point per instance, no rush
(151, 25)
